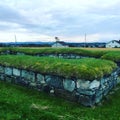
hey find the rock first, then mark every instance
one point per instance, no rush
(8, 71)
(1, 69)
(32, 85)
(40, 78)
(2, 77)
(29, 75)
(54, 81)
(86, 91)
(69, 85)
(16, 72)
(118, 79)
(94, 84)
(98, 98)
(86, 100)
(83, 84)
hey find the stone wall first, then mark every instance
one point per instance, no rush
(59, 55)
(85, 92)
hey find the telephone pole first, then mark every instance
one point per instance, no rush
(15, 40)
(85, 40)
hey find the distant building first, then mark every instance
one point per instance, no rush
(113, 44)
(60, 44)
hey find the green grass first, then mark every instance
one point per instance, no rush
(113, 56)
(86, 69)
(18, 103)
(77, 51)
(110, 54)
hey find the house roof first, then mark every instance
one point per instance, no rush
(61, 42)
(117, 41)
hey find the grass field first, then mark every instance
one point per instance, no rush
(18, 103)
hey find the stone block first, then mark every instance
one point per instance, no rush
(94, 84)
(32, 85)
(40, 79)
(86, 91)
(2, 77)
(28, 75)
(1, 69)
(106, 91)
(78, 57)
(24, 73)
(102, 81)
(86, 100)
(54, 81)
(16, 72)
(20, 53)
(65, 94)
(72, 56)
(69, 85)
(23, 82)
(82, 84)
(98, 98)
(118, 79)
(8, 79)
(8, 71)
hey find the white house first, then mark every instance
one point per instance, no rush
(60, 44)
(113, 44)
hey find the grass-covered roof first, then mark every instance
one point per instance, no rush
(86, 69)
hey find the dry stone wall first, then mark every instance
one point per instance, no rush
(59, 55)
(85, 92)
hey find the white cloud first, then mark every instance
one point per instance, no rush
(44, 19)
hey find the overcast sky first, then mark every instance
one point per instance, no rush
(42, 20)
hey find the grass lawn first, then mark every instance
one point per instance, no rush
(18, 103)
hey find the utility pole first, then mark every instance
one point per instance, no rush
(85, 40)
(15, 40)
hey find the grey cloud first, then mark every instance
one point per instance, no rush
(9, 14)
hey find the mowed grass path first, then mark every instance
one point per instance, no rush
(19, 103)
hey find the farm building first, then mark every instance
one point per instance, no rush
(60, 44)
(113, 44)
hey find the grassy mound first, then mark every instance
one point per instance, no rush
(88, 68)
(18, 103)
(77, 51)
(110, 54)
(113, 55)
